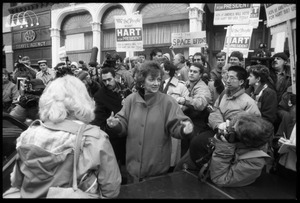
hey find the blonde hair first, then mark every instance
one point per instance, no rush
(66, 97)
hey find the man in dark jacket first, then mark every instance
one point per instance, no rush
(109, 98)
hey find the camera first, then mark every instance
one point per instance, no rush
(229, 136)
(229, 133)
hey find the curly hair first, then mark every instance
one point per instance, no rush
(66, 97)
(252, 130)
(260, 71)
(148, 68)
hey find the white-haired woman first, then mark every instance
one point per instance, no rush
(45, 155)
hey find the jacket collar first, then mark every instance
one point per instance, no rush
(150, 99)
(235, 95)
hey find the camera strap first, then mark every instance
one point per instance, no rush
(253, 154)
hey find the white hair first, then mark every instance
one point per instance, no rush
(66, 97)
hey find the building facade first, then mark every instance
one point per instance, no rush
(78, 27)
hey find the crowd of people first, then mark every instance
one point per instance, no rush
(149, 117)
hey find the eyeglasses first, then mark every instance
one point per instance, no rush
(197, 59)
(231, 78)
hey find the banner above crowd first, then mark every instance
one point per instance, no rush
(232, 14)
(279, 13)
(189, 39)
(129, 33)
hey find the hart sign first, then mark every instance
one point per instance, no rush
(238, 38)
(188, 39)
(129, 33)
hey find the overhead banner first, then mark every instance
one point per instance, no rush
(279, 13)
(232, 14)
(189, 39)
(238, 39)
(129, 33)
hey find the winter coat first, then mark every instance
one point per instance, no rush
(227, 170)
(149, 124)
(229, 107)
(266, 100)
(45, 159)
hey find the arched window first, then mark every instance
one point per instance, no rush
(77, 36)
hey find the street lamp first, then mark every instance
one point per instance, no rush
(24, 18)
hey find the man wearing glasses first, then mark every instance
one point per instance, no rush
(234, 101)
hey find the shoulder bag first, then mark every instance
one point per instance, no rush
(74, 191)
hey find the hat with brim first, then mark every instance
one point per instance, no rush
(42, 61)
(281, 55)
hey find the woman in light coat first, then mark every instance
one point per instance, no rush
(45, 149)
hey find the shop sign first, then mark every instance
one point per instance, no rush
(31, 45)
(129, 33)
(189, 39)
(232, 14)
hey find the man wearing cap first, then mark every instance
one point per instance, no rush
(281, 73)
(46, 74)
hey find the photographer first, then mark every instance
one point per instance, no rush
(27, 106)
(238, 159)
(22, 69)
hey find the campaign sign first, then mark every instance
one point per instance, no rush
(238, 39)
(279, 13)
(129, 33)
(188, 39)
(232, 14)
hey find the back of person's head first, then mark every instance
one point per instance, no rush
(108, 70)
(61, 69)
(148, 68)
(252, 130)
(181, 57)
(66, 97)
(93, 64)
(116, 56)
(198, 65)
(260, 71)
(241, 72)
(169, 66)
